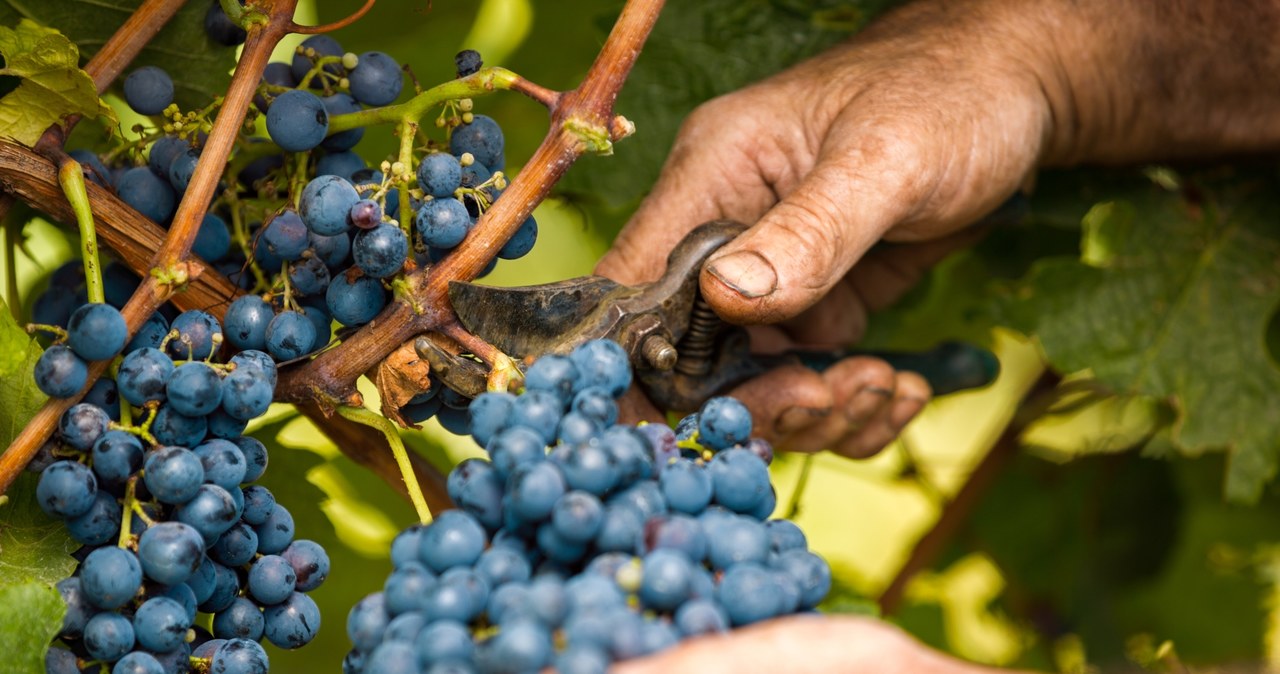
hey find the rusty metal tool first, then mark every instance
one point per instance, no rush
(682, 353)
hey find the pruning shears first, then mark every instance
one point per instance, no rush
(681, 352)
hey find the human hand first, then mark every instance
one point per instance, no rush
(916, 129)
(803, 644)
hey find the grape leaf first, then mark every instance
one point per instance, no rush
(19, 397)
(52, 85)
(30, 617)
(200, 67)
(33, 545)
(1172, 299)
(699, 50)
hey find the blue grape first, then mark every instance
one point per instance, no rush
(318, 314)
(181, 169)
(309, 276)
(444, 641)
(367, 621)
(213, 241)
(577, 516)
(687, 428)
(194, 389)
(96, 332)
(621, 528)
(143, 375)
(239, 656)
(275, 534)
(146, 193)
(148, 90)
(582, 660)
(574, 429)
(108, 636)
(221, 29)
(163, 152)
(405, 588)
(591, 468)
(376, 79)
(245, 395)
(686, 485)
(292, 623)
(740, 479)
(99, 524)
(196, 331)
(534, 489)
(93, 167)
(380, 252)
(79, 609)
(630, 452)
(54, 307)
(553, 373)
(341, 104)
(173, 474)
(110, 577)
(723, 422)
(701, 616)
(59, 372)
(224, 463)
(82, 425)
(645, 496)
(255, 457)
(442, 222)
(521, 242)
(516, 446)
(66, 489)
(475, 486)
(256, 360)
(334, 250)
(354, 301)
(285, 235)
(138, 662)
(290, 335)
(246, 322)
(297, 121)
(271, 579)
(206, 650)
(734, 541)
(439, 175)
(392, 657)
(490, 413)
(455, 538)
(748, 594)
(258, 504)
(503, 565)
(342, 164)
(667, 580)
(211, 512)
(810, 572)
(676, 532)
(366, 214)
(236, 547)
(482, 138)
(538, 410)
(326, 204)
(310, 564)
(602, 363)
(520, 646)
(785, 535)
(242, 620)
(226, 586)
(161, 624)
(151, 334)
(405, 627)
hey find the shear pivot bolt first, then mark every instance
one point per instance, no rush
(659, 352)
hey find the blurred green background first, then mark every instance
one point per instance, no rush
(1079, 554)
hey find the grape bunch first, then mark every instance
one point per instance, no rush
(170, 521)
(581, 542)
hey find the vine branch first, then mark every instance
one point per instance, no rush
(330, 27)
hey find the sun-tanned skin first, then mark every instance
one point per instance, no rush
(910, 132)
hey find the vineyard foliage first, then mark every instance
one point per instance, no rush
(1142, 503)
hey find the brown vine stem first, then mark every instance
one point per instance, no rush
(330, 27)
(581, 120)
(171, 268)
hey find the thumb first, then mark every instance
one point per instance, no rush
(809, 240)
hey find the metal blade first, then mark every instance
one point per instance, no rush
(530, 320)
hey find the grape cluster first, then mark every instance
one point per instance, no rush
(581, 542)
(170, 521)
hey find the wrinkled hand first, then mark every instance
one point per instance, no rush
(928, 121)
(803, 645)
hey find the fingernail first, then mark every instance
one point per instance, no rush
(864, 403)
(746, 273)
(795, 418)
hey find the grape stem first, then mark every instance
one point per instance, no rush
(582, 120)
(126, 510)
(362, 415)
(329, 27)
(71, 177)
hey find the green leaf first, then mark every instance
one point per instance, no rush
(33, 545)
(19, 397)
(1172, 299)
(699, 50)
(30, 617)
(182, 47)
(53, 87)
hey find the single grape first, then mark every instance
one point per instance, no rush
(353, 298)
(521, 242)
(467, 62)
(443, 222)
(290, 335)
(334, 251)
(439, 175)
(723, 422)
(66, 489)
(297, 120)
(151, 334)
(366, 214)
(236, 547)
(406, 587)
(82, 425)
(246, 322)
(591, 468)
(246, 395)
(211, 512)
(367, 621)
(740, 479)
(224, 463)
(194, 389)
(59, 372)
(748, 594)
(255, 457)
(163, 152)
(110, 577)
(196, 330)
(96, 332)
(475, 486)
(93, 167)
(225, 588)
(148, 90)
(100, 524)
(146, 193)
(276, 533)
(181, 169)
(139, 662)
(271, 580)
(239, 656)
(342, 164)
(258, 361)
(285, 235)
(213, 241)
(310, 564)
(377, 79)
(242, 620)
(309, 276)
(577, 516)
(173, 474)
(380, 252)
(258, 504)
(686, 485)
(736, 540)
(482, 138)
(222, 29)
(602, 363)
(292, 623)
(455, 538)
